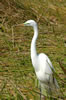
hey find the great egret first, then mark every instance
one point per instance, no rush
(41, 63)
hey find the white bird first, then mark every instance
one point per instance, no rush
(41, 63)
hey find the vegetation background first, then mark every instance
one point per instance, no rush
(17, 76)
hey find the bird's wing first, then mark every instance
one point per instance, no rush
(54, 73)
(50, 64)
(45, 60)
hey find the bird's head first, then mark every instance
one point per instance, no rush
(30, 23)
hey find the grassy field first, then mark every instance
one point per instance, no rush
(17, 76)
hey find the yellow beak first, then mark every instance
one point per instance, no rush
(20, 24)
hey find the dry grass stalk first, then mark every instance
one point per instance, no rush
(13, 38)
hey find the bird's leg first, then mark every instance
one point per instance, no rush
(41, 96)
(40, 92)
(43, 93)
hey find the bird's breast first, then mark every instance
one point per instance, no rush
(35, 63)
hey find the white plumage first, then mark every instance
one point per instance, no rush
(41, 63)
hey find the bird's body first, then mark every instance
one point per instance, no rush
(44, 70)
(41, 63)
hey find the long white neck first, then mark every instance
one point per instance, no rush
(33, 43)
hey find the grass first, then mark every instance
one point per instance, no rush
(17, 76)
